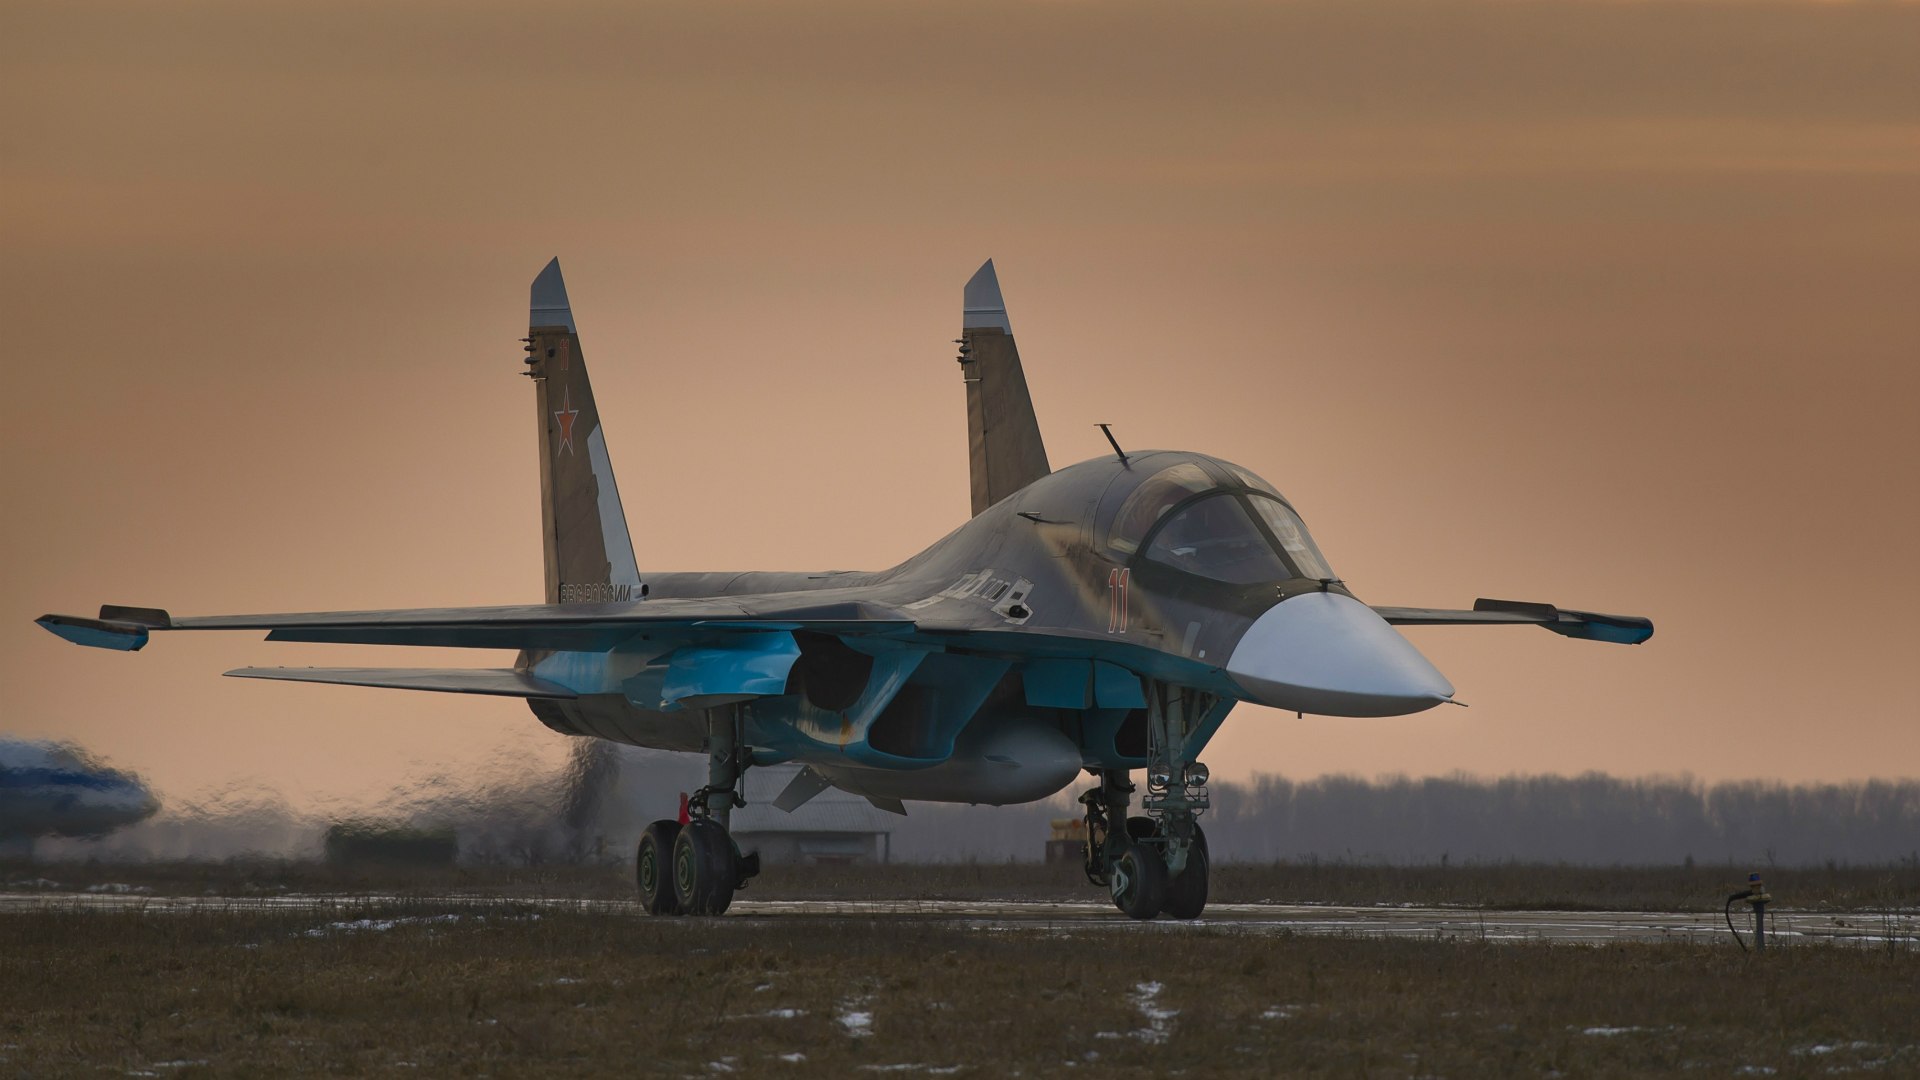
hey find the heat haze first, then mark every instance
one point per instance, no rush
(1608, 305)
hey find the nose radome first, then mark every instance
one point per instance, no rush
(1330, 654)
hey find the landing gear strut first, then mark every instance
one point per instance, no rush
(695, 868)
(1158, 862)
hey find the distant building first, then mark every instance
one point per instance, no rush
(832, 827)
(1067, 842)
(369, 843)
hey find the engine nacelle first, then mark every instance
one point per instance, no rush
(998, 760)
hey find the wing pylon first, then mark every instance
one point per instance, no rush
(1587, 625)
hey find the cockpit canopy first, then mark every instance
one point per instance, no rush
(1224, 524)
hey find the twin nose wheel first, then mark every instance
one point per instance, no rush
(690, 869)
(1141, 885)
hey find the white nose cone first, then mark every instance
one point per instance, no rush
(1330, 654)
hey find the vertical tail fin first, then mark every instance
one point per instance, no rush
(1003, 436)
(589, 554)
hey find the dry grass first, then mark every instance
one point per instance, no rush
(511, 992)
(1507, 886)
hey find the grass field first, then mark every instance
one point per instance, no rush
(1497, 886)
(415, 988)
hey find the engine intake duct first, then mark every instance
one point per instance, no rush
(925, 718)
(830, 674)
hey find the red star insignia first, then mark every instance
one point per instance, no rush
(565, 417)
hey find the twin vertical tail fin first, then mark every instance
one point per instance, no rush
(588, 552)
(1003, 436)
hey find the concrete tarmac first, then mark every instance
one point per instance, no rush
(1785, 929)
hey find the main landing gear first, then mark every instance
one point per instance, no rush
(695, 868)
(1155, 863)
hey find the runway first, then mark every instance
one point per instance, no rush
(1786, 928)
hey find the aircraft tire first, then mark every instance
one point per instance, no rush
(1139, 881)
(704, 873)
(1187, 893)
(653, 868)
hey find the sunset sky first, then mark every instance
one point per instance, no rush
(1610, 305)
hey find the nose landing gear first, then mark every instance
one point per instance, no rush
(1138, 880)
(1158, 863)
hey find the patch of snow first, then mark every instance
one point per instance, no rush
(563, 981)
(858, 1024)
(1159, 1027)
(116, 887)
(1611, 1030)
(33, 883)
(178, 1064)
(763, 988)
(1755, 1070)
(1823, 1049)
(1281, 1012)
(724, 1065)
(794, 1058)
(353, 926)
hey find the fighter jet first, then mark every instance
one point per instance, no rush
(55, 789)
(1100, 618)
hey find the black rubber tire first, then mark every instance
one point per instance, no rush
(653, 868)
(704, 873)
(1187, 893)
(1139, 881)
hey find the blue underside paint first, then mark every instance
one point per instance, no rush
(930, 698)
(1115, 687)
(1099, 731)
(99, 636)
(1603, 631)
(26, 778)
(920, 686)
(1058, 684)
(755, 664)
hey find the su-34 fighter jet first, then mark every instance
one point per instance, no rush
(1103, 617)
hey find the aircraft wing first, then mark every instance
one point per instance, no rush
(500, 682)
(1590, 625)
(575, 627)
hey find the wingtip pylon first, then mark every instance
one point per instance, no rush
(983, 307)
(549, 305)
(96, 633)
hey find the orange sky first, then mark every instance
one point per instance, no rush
(1608, 305)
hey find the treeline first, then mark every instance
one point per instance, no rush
(594, 810)
(1590, 819)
